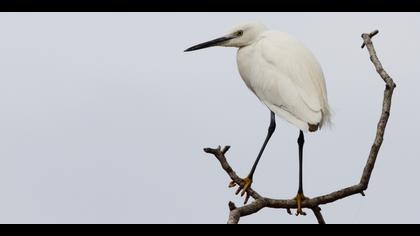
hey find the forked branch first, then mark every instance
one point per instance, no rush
(261, 202)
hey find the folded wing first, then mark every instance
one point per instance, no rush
(291, 82)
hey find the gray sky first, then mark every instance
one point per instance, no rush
(103, 119)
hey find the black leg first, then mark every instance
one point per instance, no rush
(300, 197)
(301, 141)
(246, 183)
(271, 129)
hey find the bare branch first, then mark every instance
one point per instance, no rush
(232, 206)
(318, 215)
(249, 209)
(373, 33)
(220, 155)
(314, 203)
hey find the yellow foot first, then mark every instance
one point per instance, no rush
(243, 189)
(300, 197)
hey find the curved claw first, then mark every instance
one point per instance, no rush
(232, 184)
(242, 189)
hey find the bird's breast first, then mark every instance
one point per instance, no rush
(244, 59)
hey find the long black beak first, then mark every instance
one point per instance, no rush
(211, 43)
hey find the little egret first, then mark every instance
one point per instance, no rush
(286, 77)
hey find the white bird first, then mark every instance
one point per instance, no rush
(285, 76)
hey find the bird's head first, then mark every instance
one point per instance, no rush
(240, 36)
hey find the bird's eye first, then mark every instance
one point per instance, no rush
(240, 33)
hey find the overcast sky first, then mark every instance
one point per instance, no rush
(103, 118)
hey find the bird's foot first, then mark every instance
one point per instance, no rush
(300, 197)
(243, 189)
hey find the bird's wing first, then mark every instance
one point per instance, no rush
(291, 77)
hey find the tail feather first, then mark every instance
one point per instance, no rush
(326, 117)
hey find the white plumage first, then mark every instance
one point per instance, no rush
(286, 77)
(281, 72)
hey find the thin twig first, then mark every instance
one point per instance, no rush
(318, 215)
(371, 34)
